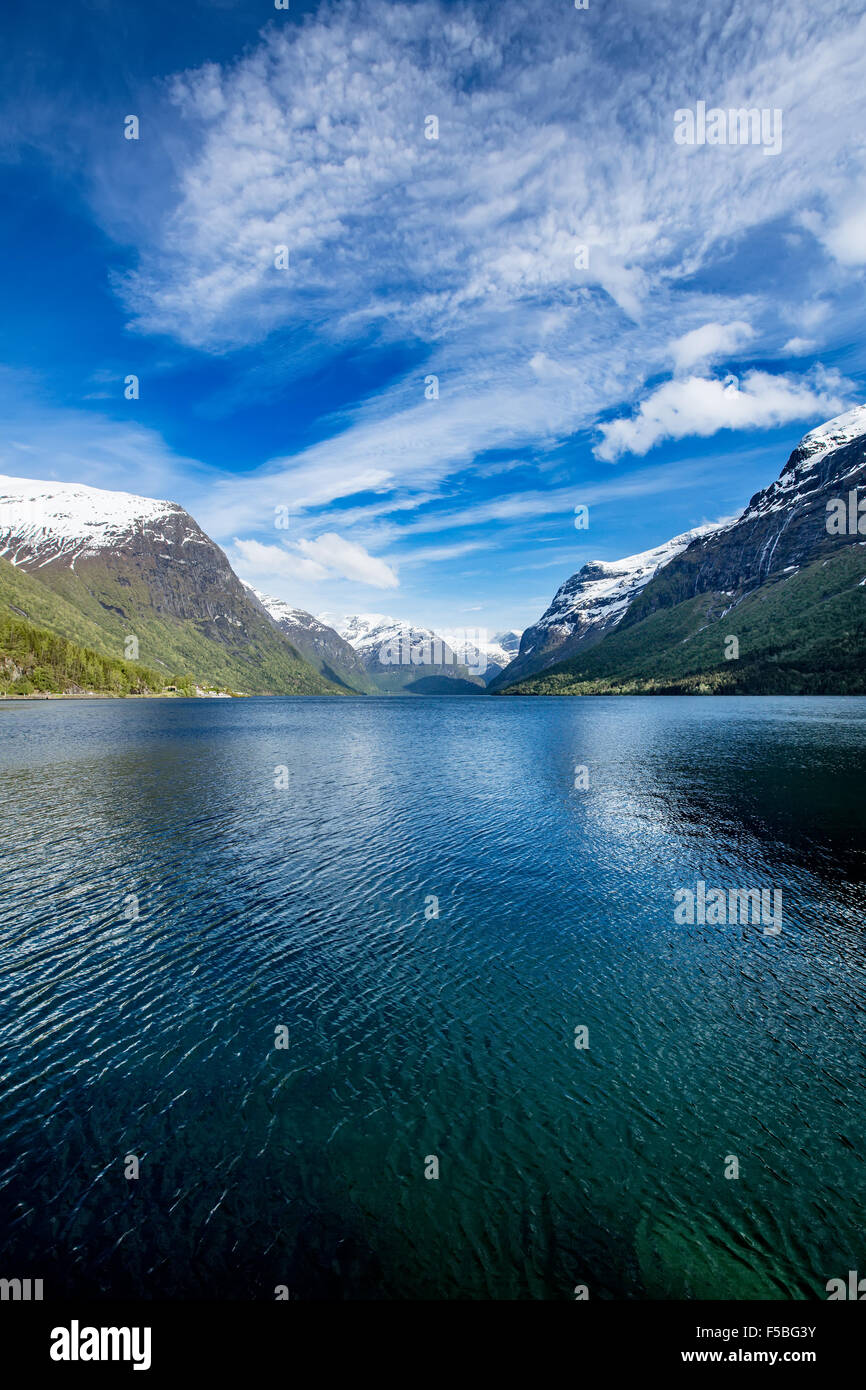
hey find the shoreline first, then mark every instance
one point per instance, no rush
(107, 695)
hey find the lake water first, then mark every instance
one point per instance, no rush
(412, 1036)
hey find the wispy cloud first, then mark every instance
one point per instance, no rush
(552, 258)
(537, 247)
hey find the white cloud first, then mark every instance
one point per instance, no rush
(799, 347)
(421, 555)
(329, 556)
(349, 560)
(846, 239)
(258, 560)
(550, 137)
(702, 406)
(312, 141)
(711, 341)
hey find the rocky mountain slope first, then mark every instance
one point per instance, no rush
(322, 646)
(131, 567)
(783, 528)
(588, 605)
(774, 601)
(506, 645)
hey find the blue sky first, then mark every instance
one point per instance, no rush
(660, 376)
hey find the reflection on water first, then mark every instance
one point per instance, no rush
(166, 908)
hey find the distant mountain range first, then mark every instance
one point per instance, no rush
(401, 654)
(376, 654)
(320, 645)
(124, 594)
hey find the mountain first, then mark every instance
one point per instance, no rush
(401, 658)
(771, 602)
(323, 647)
(783, 528)
(115, 570)
(376, 654)
(587, 606)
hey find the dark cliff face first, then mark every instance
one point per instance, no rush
(184, 573)
(783, 529)
(181, 575)
(328, 652)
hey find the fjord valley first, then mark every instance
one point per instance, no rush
(770, 601)
(432, 671)
(110, 574)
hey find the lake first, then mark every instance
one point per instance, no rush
(293, 955)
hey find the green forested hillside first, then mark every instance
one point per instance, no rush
(804, 633)
(100, 611)
(34, 660)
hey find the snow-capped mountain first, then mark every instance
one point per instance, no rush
(283, 612)
(782, 530)
(401, 655)
(833, 434)
(507, 643)
(382, 641)
(590, 604)
(802, 473)
(124, 567)
(483, 655)
(45, 521)
(366, 632)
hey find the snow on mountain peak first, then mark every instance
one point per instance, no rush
(283, 612)
(602, 590)
(614, 582)
(836, 432)
(369, 633)
(476, 650)
(365, 630)
(42, 520)
(801, 475)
